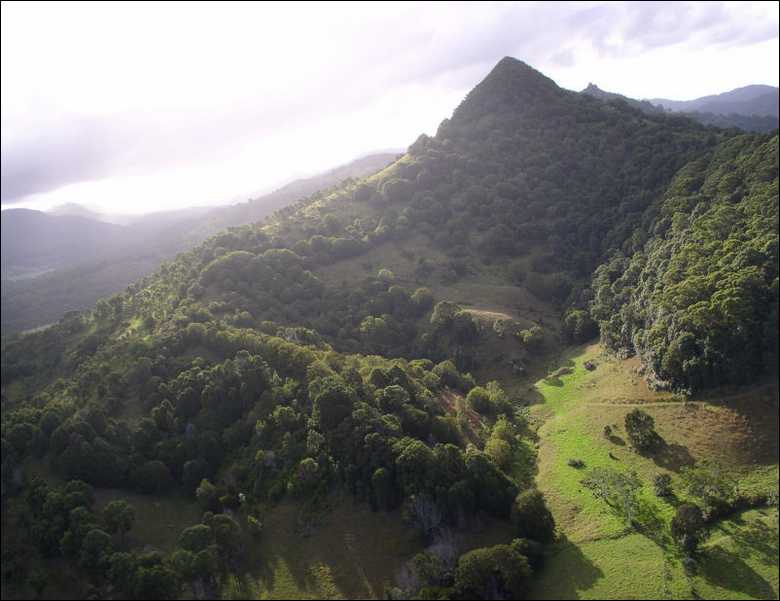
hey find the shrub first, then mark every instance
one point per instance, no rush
(662, 485)
(533, 337)
(386, 276)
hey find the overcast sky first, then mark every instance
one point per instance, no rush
(140, 107)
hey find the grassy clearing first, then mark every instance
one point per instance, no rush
(599, 556)
(158, 520)
(353, 553)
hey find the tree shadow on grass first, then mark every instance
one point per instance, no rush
(728, 571)
(348, 551)
(554, 381)
(673, 457)
(755, 540)
(573, 572)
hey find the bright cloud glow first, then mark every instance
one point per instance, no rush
(131, 107)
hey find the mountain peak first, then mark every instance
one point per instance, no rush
(518, 71)
(510, 85)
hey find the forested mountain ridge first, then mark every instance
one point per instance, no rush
(285, 360)
(699, 301)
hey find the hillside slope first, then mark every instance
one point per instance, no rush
(380, 340)
(599, 552)
(75, 261)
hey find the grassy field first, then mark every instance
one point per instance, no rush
(599, 556)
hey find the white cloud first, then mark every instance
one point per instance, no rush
(134, 107)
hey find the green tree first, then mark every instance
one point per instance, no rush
(122, 570)
(531, 518)
(479, 400)
(490, 573)
(640, 428)
(687, 526)
(196, 538)
(333, 401)
(414, 464)
(422, 300)
(119, 516)
(227, 533)
(711, 483)
(207, 495)
(375, 331)
(96, 550)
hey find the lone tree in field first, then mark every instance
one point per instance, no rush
(640, 428)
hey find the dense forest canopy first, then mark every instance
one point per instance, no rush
(699, 302)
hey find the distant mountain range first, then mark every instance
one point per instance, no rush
(33, 240)
(751, 108)
(748, 100)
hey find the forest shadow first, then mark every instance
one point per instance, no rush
(328, 553)
(580, 573)
(730, 572)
